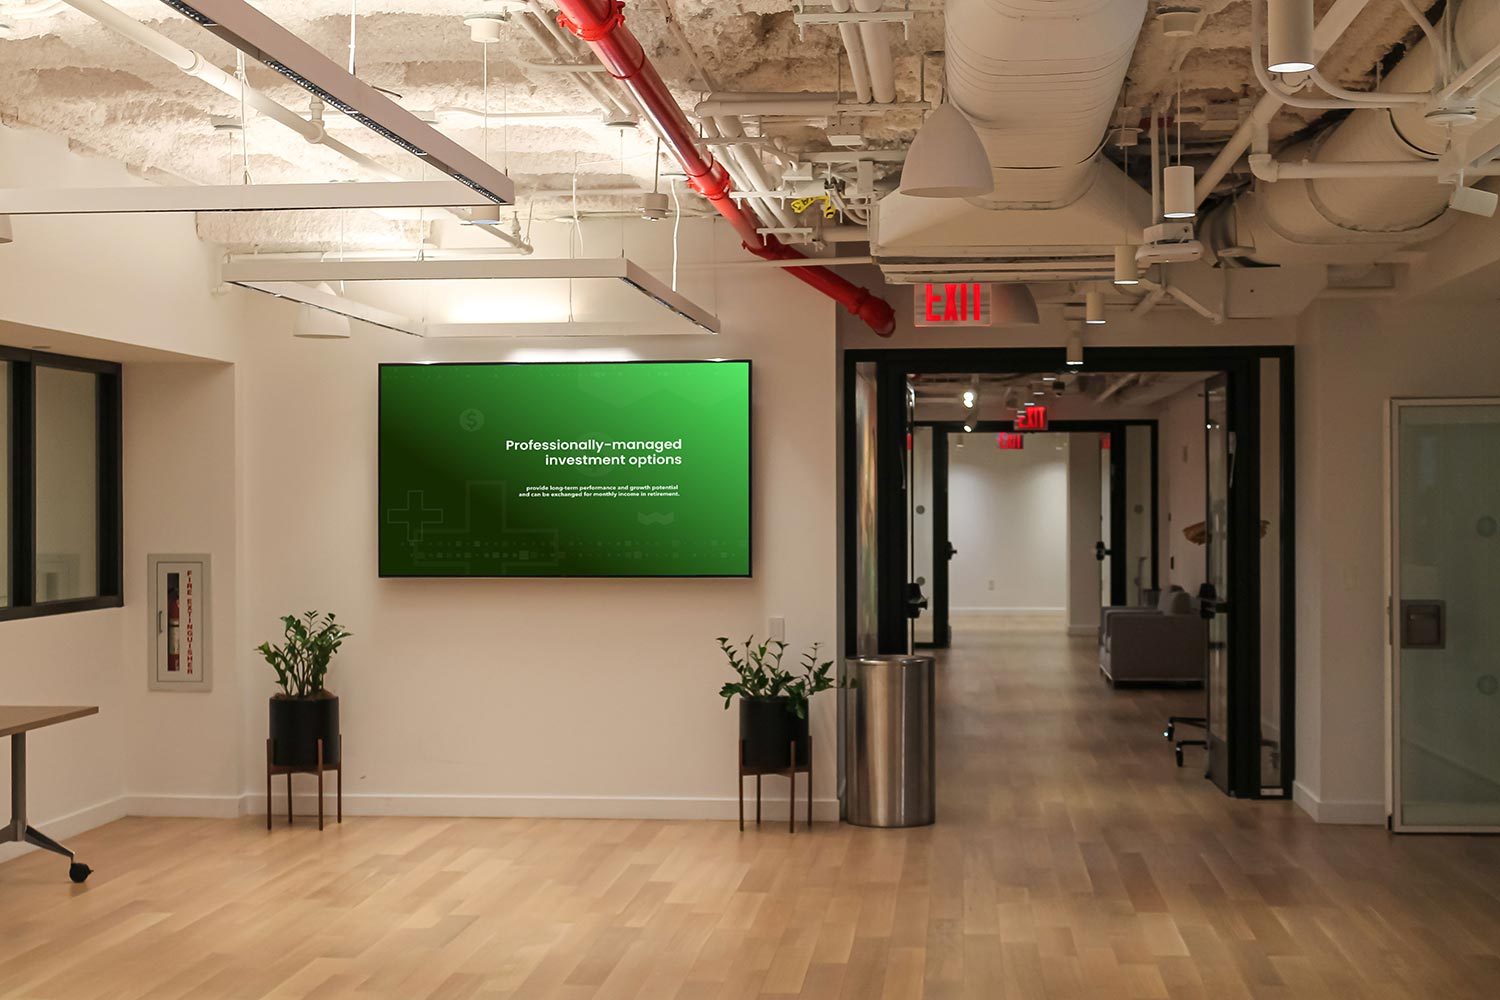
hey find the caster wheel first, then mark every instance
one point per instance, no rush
(78, 871)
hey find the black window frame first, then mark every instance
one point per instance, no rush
(21, 455)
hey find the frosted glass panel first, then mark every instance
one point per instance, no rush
(1447, 631)
(67, 484)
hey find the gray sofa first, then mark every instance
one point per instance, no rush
(1167, 644)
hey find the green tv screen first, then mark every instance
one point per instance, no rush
(585, 469)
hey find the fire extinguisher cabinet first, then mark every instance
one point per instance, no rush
(177, 631)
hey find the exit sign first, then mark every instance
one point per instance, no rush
(964, 303)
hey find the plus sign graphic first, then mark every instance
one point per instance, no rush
(415, 515)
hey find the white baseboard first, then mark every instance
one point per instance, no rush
(1008, 611)
(498, 806)
(198, 806)
(62, 828)
(1343, 813)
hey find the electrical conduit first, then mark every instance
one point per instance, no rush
(601, 23)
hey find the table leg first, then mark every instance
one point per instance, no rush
(19, 830)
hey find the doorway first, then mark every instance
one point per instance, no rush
(1242, 537)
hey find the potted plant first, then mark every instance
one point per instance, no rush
(773, 699)
(304, 711)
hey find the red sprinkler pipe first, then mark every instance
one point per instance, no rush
(601, 23)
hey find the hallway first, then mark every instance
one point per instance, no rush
(1070, 860)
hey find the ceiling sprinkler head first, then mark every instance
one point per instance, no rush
(485, 28)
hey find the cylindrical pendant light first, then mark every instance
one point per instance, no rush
(1093, 308)
(1126, 271)
(314, 323)
(1178, 199)
(1075, 350)
(1289, 36)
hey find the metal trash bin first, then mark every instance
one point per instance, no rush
(889, 751)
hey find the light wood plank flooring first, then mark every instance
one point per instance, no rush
(1071, 860)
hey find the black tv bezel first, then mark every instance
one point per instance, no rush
(749, 470)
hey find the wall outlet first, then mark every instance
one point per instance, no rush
(778, 629)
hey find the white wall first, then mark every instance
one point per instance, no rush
(1180, 468)
(1007, 515)
(1084, 526)
(126, 288)
(543, 697)
(1351, 360)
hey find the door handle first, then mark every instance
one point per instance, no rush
(951, 550)
(1101, 551)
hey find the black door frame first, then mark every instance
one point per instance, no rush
(1242, 366)
(942, 632)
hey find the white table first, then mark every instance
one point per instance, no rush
(16, 721)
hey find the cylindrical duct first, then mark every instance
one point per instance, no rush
(1039, 80)
(1359, 219)
(876, 42)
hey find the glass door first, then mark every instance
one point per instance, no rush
(1445, 587)
(1214, 596)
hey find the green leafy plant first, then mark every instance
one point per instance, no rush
(761, 674)
(301, 663)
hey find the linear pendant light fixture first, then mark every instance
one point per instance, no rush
(1289, 36)
(261, 38)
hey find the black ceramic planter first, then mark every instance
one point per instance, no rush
(767, 728)
(296, 726)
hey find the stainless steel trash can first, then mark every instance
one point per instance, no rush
(889, 758)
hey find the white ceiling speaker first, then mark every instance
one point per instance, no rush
(1178, 20)
(1178, 199)
(313, 323)
(946, 159)
(1075, 350)
(1289, 36)
(1093, 308)
(485, 28)
(6, 235)
(1126, 271)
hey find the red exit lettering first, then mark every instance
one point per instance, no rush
(951, 304)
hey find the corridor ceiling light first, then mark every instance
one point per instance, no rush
(946, 159)
(6, 235)
(1178, 199)
(1126, 271)
(1075, 350)
(1289, 36)
(1093, 308)
(313, 323)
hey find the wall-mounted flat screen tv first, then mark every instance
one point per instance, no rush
(604, 469)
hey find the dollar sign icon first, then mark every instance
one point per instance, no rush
(471, 420)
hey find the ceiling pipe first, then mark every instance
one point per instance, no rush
(859, 70)
(1334, 24)
(601, 23)
(875, 39)
(194, 64)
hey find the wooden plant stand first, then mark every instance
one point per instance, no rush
(787, 772)
(318, 769)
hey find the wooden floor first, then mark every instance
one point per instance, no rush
(1070, 859)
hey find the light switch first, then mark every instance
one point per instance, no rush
(778, 629)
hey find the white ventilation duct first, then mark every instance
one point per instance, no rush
(1347, 220)
(1039, 79)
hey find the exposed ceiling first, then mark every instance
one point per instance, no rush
(62, 72)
